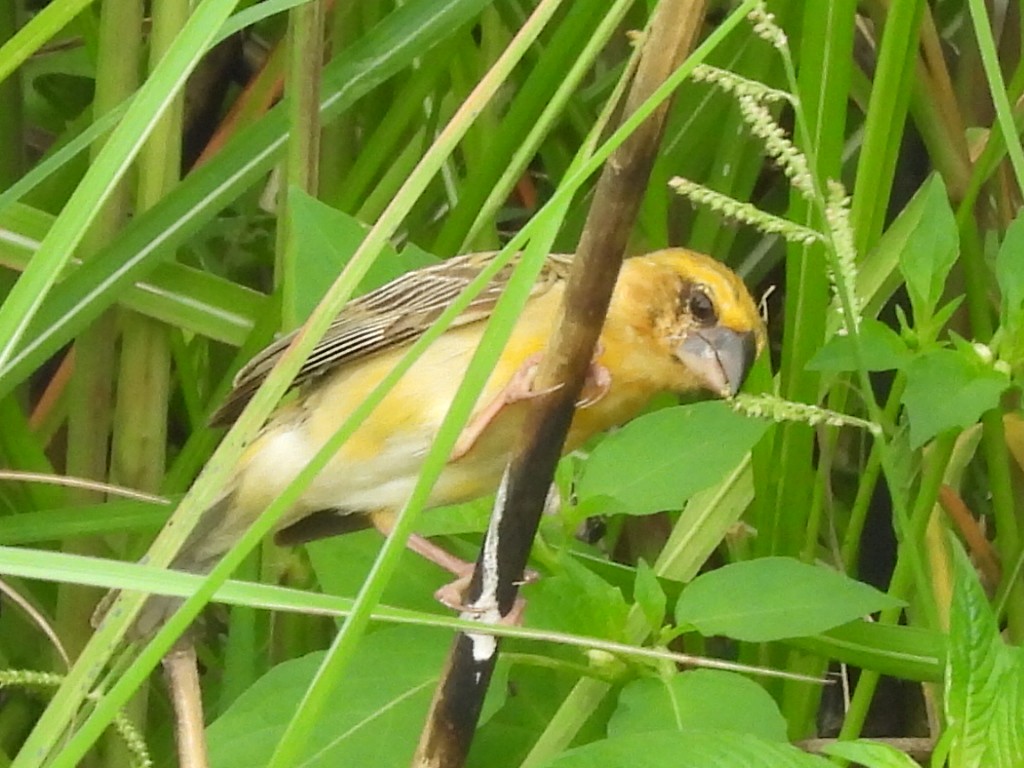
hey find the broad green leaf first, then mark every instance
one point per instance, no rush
(878, 276)
(910, 653)
(871, 754)
(649, 595)
(687, 749)
(949, 389)
(975, 669)
(773, 598)
(374, 719)
(698, 699)
(1006, 728)
(930, 252)
(326, 238)
(656, 462)
(468, 517)
(704, 522)
(536, 694)
(882, 347)
(576, 600)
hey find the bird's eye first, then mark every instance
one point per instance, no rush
(702, 309)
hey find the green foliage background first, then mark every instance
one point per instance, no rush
(131, 297)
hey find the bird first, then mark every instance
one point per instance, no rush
(678, 321)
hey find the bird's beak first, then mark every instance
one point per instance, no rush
(721, 357)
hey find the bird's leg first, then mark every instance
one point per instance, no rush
(453, 594)
(424, 547)
(521, 387)
(439, 556)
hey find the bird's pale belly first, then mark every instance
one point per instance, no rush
(354, 482)
(387, 481)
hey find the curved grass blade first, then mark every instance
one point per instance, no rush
(151, 238)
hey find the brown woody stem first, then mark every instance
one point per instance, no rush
(459, 697)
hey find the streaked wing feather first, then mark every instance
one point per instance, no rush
(395, 314)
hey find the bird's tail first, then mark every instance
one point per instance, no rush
(207, 542)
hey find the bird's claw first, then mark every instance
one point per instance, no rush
(453, 596)
(596, 386)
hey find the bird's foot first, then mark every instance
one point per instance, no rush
(521, 387)
(597, 383)
(453, 596)
(518, 388)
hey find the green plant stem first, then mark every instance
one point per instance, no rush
(887, 111)
(302, 155)
(12, 158)
(907, 563)
(89, 423)
(785, 481)
(976, 275)
(340, 144)
(995, 148)
(1004, 509)
(571, 716)
(140, 435)
(993, 436)
(809, 549)
(936, 113)
(139, 440)
(997, 88)
(850, 546)
(849, 305)
(972, 258)
(845, 287)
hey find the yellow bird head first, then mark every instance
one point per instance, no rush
(687, 321)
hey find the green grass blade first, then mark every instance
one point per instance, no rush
(110, 165)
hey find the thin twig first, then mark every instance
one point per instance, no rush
(917, 747)
(38, 618)
(182, 672)
(492, 593)
(84, 483)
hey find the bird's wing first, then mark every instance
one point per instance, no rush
(394, 314)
